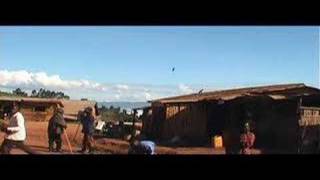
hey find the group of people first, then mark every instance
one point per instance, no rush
(15, 131)
(15, 134)
(57, 125)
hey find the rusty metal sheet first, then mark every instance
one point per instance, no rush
(309, 116)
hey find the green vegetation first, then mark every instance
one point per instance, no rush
(42, 93)
(7, 94)
(114, 114)
(19, 92)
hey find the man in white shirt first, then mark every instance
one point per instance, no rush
(15, 132)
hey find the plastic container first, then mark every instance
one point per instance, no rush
(217, 142)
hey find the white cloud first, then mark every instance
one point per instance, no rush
(87, 89)
(117, 96)
(122, 87)
(41, 79)
(14, 77)
(147, 96)
(146, 89)
(185, 89)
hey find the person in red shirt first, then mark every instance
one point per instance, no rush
(247, 140)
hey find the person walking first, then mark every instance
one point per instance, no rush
(87, 122)
(15, 132)
(56, 128)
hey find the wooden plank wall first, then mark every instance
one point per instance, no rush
(28, 112)
(30, 115)
(156, 121)
(185, 120)
(146, 121)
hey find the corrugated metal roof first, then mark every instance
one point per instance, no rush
(229, 94)
(278, 97)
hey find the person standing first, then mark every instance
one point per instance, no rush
(247, 139)
(56, 128)
(15, 132)
(87, 122)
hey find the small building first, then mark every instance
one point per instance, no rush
(271, 110)
(33, 109)
(73, 107)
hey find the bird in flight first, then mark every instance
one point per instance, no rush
(200, 92)
(173, 69)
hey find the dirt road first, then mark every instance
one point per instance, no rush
(37, 139)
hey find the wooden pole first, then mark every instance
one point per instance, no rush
(133, 124)
(74, 137)
(300, 146)
(79, 118)
(67, 139)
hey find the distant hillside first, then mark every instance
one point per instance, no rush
(123, 105)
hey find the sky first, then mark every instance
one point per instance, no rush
(134, 63)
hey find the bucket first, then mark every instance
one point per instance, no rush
(217, 142)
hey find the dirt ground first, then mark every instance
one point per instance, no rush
(37, 139)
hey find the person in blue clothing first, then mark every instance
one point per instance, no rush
(140, 146)
(148, 144)
(87, 122)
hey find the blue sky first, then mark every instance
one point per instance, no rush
(134, 63)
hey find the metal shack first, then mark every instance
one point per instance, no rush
(196, 118)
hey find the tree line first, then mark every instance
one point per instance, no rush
(41, 93)
(114, 114)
